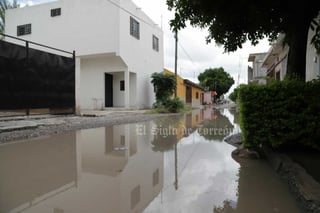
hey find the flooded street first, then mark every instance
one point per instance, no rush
(171, 164)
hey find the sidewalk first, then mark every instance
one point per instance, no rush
(14, 123)
(23, 127)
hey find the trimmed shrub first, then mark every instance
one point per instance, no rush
(174, 105)
(282, 114)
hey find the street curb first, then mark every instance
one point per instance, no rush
(303, 185)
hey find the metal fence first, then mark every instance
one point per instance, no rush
(35, 79)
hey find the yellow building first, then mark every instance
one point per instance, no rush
(189, 92)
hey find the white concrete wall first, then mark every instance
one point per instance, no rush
(257, 70)
(140, 57)
(96, 29)
(88, 27)
(118, 96)
(133, 90)
(312, 60)
(93, 82)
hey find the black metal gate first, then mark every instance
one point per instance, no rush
(32, 79)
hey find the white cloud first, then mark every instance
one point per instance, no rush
(200, 55)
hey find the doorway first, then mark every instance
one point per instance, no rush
(108, 90)
(188, 95)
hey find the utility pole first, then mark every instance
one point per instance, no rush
(176, 60)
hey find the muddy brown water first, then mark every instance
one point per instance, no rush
(171, 164)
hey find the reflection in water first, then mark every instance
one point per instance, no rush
(108, 169)
(216, 127)
(165, 165)
(35, 171)
(260, 190)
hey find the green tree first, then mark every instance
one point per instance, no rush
(5, 5)
(234, 95)
(216, 80)
(231, 23)
(164, 86)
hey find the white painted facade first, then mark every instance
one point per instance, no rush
(312, 60)
(275, 61)
(257, 73)
(277, 58)
(99, 32)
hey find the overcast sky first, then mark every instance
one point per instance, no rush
(194, 54)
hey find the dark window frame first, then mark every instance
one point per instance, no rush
(122, 85)
(134, 28)
(55, 12)
(25, 29)
(155, 43)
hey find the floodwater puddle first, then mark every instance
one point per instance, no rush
(171, 164)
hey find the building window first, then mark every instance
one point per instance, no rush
(122, 140)
(134, 28)
(55, 12)
(24, 29)
(155, 178)
(122, 85)
(197, 95)
(155, 43)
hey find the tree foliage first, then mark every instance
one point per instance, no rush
(231, 23)
(216, 79)
(5, 5)
(164, 86)
(234, 95)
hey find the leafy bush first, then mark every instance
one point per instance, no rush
(174, 105)
(282, 114)
(164, 86)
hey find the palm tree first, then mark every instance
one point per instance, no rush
(4, 5)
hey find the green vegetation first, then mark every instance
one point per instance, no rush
(232, 23)
(282, 114)
(164, 86)
(234, 95)
(216, 79)
(4, 5)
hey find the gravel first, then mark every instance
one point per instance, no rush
(63, 124)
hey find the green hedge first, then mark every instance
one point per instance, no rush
(283, 114)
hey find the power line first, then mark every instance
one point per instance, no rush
(184, 50)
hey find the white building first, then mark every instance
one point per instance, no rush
(275, 62)
(256, 73)
(117, 46)
(312, 59)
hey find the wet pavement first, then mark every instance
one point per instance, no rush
(170, 164)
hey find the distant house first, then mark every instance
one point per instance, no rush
(276, 59)
(275, 62)
(117, 46)
(188, 92)
(256, 73)
(312, 58)
(209, 97)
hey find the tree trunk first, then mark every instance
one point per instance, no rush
(298, 39)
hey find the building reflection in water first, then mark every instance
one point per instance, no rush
(109, 169)
(119, 169)
(32, 172)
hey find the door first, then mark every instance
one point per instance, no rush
(188, 95)
(108, 90)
